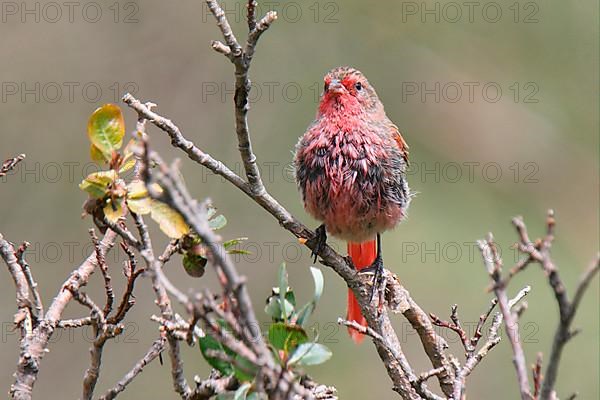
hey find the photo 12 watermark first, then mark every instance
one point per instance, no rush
(56, 172)
(38, 92)
(424, 172)
(453, 12)
(412, 91)
(291, 12)
(53, 12)
(471, 92)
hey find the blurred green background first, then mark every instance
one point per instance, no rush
(523, 140)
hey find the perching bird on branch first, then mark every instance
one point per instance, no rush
(351, 169)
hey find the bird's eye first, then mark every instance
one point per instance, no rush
(325, 86)
(358, 86)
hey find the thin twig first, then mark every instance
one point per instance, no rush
(33, 286)
(23, 315)
(482, 319)
(110, 296)
(34, 346)
(455, 326)
(536, 370)
(494, 267)
(10, 164)
(153, 352)
(131, 273)
(476, 356)
(164, 303)
(563, 332)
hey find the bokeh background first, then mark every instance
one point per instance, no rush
(523, 139)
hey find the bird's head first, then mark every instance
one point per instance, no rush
(347, 90)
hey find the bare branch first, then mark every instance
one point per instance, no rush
(74, 323)
(213, 385)
(223, 24)
(365, 330)
(454, 326)
(482, 319)
(37, 300)
(476, 356)
(33, 347)
(130, 272)
(10, 164)
(428, 374)
(538, 251)
(494, 267)
(153, 352)
(164, 304)
(23, 315)
(110, 296)
(251, 14)
(563, 332)
(536, 370)
(102, 332)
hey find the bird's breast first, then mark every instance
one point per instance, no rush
(346, 173)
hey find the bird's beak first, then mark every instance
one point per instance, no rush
(336, 87)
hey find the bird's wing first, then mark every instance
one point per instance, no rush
(402, 145)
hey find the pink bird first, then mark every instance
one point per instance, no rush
(351, 170)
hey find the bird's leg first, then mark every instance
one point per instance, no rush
(376, 268)
(320, 241)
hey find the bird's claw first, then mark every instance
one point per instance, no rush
(377, 282)
(377, 269)
(319, 240)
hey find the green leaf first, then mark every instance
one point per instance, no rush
(310, 354)
(225, 396)
(96, 183)
(217, 222)
(291, 297)
(283, 286)
(278, 333)
(276, 311)
(169, 220)
(272, 309)
(136, 189)
(319, 283)
(127, 165)
(243, 369)
(194, 264)
(242, 392)
(235, 251)
(286, 337)
(106, 128)
(234, 242)
(209, 343)
(140, 206)
(296, 337)
(306, 311)
(257, 396)
(96, 154)
(138, 200)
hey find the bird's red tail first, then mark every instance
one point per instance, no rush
(363, 255)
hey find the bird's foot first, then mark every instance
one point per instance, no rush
(377, 270)
(319, 240)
